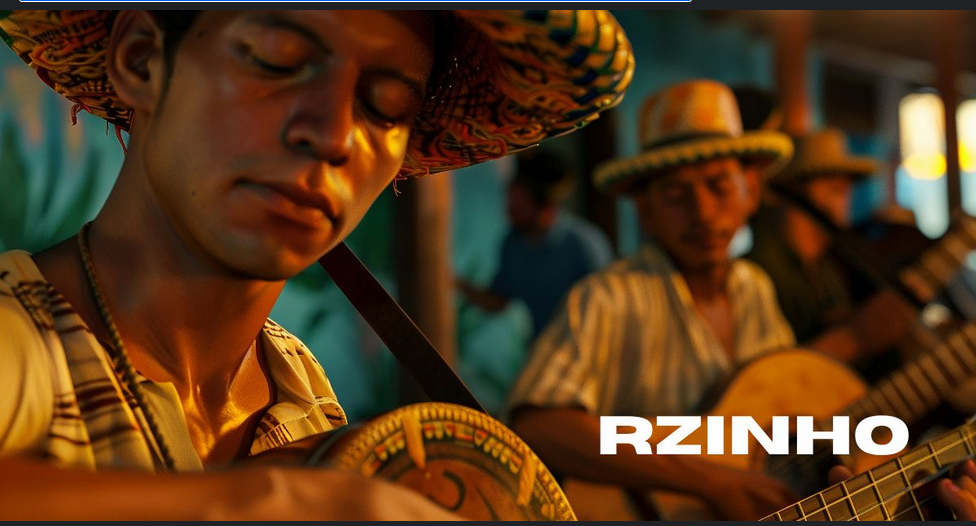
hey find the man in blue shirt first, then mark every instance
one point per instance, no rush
(547, 249)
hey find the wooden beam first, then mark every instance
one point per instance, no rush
(422, 233)
(945, 26)
(598, 140)
(792, 39)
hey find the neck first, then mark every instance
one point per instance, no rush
(541, 227)
(708, 282)
(181, 317)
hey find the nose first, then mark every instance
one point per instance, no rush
(704, 204)
(322, 124)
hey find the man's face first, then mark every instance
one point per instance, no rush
(694, 211)
(523, 210)
(279, 129)
(832, 195)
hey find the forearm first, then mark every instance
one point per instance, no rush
(568, 442)
(32, 490)
(841, 342)
(37, 491)
(483, 298)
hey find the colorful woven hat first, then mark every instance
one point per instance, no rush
(514, 78)
(688, 123)
(825, 153)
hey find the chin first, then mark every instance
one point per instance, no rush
(265, 261)
(270, 269)
(705, 261)
(269, 256)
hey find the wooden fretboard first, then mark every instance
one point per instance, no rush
(890, 491)
(933, 270)
(919, 387)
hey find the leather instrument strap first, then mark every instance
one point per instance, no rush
(400, 334)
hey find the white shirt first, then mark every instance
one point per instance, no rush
(627, 340)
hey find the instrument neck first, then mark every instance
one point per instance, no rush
(923, 384)
(888, 492)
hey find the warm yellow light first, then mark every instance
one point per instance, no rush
(925, 166)
(922, 127)
(967, 161)
(966, 124)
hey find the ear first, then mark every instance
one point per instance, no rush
(134, 60)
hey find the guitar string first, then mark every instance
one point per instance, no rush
(856, 514)
(969, 435)
(783, 469)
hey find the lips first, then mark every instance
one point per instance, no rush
(708, 240)
(296, 204)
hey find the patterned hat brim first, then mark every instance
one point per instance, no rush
(512, 80)
(771, 150)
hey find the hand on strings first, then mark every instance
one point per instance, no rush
(958, 492)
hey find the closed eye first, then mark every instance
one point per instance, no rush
(273, 69)
(387, 121)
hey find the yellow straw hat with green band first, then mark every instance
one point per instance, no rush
(689, 123)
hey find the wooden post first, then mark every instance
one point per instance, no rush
(945, 30)
(425, 276)
(598, 141)
(792, 37)
(890, 91)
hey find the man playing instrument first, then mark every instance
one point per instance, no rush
(257, 142)
(650, 335)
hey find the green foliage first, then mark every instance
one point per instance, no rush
(80, 208)
(14, 180)
(33, 226)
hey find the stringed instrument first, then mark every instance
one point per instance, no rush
(807, 383)
(450, 450)
(794, 383)
(896, 490)
(462, 459)
(919, 283)
(928, 276)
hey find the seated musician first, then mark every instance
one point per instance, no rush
(651, 334)
(815, 288)
(257, 142)
(546, 249)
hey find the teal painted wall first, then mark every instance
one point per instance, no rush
(55, 176)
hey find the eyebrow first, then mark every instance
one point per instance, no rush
(280, 22)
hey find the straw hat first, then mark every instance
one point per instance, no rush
(825, 153)
(514, 78)
(689, 123)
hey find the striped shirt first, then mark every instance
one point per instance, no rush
(628, 340)
(61, 400)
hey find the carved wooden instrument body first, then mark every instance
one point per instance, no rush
(449, 450)
(460, 458)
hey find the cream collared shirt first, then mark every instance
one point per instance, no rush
(60, 400)
(627, 340)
